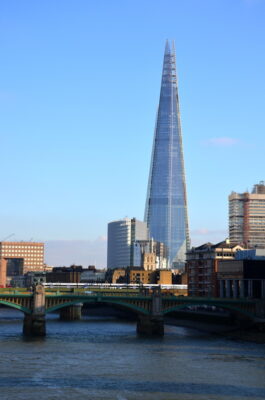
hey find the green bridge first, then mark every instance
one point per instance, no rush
(149, 307)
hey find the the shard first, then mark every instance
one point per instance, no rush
(166, 203)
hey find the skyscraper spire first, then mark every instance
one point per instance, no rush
(166, 202)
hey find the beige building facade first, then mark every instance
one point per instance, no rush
(149, 261)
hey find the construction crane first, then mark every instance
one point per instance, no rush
(8, 237)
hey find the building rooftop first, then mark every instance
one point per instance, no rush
(225, 244)
(259, 188)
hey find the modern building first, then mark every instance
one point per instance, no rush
(18, 258)
(203, 265)
(247, 217)
(121, 236)
(166, 203)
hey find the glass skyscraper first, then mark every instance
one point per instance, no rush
(166, 203)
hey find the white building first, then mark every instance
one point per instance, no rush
(121, 236)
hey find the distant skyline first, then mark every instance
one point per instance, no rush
(78, 99)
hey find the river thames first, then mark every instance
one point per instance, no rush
(103, 358)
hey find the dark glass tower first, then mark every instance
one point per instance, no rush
(166, 203)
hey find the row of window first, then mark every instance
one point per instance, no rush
(11, 246)
(21, 251)
(33, 262)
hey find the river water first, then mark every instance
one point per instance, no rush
(103, 358)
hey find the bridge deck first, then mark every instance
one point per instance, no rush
(139, 302)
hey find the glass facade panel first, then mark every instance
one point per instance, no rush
(166, 203)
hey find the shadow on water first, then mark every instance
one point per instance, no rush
(111, 324)
(130, 385)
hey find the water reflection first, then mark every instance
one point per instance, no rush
(103, 358)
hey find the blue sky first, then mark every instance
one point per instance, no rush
(79, 90)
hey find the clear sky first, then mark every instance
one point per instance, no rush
(79, 91)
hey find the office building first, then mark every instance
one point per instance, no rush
(29, 255)
(166, 203)
(18, 258)
(121, 236)
(247, 217)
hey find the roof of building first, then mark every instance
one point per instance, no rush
(225, 244)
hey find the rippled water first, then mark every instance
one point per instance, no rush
(103, 358)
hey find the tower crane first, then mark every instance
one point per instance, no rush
(8, 237)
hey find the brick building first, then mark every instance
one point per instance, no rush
(65, 274)
(202, 266)
(139, 275)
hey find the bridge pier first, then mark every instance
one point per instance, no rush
(71, 313)
(34, 325)
(150, 325)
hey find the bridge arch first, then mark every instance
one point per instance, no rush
(132, 307)
(228, 307)
(19, 307)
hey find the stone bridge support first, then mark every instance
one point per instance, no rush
(148, 325)
(152, 324)
(71, 313)
(35, 323)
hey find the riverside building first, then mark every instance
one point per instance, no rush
(203, 266)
